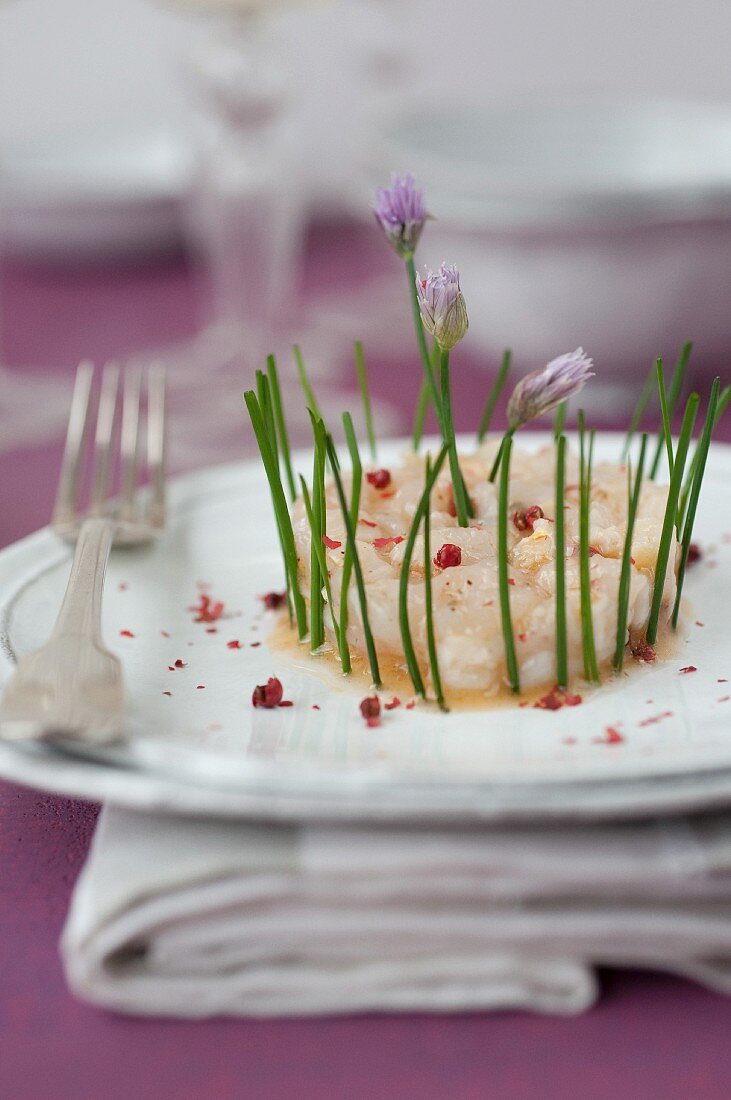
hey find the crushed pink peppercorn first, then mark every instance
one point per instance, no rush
(207, 610)
(694, 553)
(524, 521)
(448, 556)
(370, 708)
(269, 694)
(644, 652)
(379, 479)
(273, 600)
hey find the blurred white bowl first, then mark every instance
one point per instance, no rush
(93, 196)
(606, 224)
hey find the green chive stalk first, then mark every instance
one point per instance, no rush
(281, 423)
(265, 403)
(461, 499)
(639, 410)
(665, 430)
(281, 511)
(322, 560)
(511, 659)
(702, 449)
(676, 384)
(317, 533)
(723, 400)
(562, 664)
(310, 399)
(359, 580)
(422, 405)
(423, 402)
(623, 592)
(499, 456)
(403, 599)
(429, 382)
(591, 670)
(430, 639)
(444, 415)
(360, 368)
(671, 510)
(357, 480)
(494, 395)
(559, 419)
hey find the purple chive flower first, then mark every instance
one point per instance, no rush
(542, 390)
(401, 213)
(442, 305)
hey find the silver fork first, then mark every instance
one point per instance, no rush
(73, 685)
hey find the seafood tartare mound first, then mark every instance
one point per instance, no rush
(466, 611)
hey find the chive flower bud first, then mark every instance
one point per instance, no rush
(442, 306)
(542, 390)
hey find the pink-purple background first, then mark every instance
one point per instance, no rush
(650, 1035)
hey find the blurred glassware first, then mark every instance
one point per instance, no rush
(605, 223)
(247, 212)
(245, 219)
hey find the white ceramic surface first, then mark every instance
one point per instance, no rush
(205, 749)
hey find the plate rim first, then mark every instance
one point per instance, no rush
(398, 797)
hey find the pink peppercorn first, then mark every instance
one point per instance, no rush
(268, 694)
(448, 556)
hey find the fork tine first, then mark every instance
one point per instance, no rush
(156, 443)
(130, 441)
(103, 438)
(64, 510)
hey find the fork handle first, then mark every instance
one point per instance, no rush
(81, 612)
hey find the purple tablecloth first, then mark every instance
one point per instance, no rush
(649, 1036)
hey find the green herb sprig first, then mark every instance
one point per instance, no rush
(559, 419)
(669, 520)
(281, 424)
(673, 393)
(403, 599)
(695, 489)
(623, 592)
(429, 384)
(562, 665)
(281, 511)
(665, 428)
(438, 400)
(356, 483)
(358, 571)
(462, 504)
(316, 516)
(322, 560)
(494, 395)
(424, 400)
(586, 453)
(722, 404)
(360, 369)
(310, 399)
(430, 639)
(511, 659)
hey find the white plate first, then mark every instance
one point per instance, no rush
(205, 749)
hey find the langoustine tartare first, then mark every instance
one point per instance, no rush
(466, 608)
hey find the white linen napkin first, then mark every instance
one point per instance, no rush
(193, 918)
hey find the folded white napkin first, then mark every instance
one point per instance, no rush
(194, 918)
